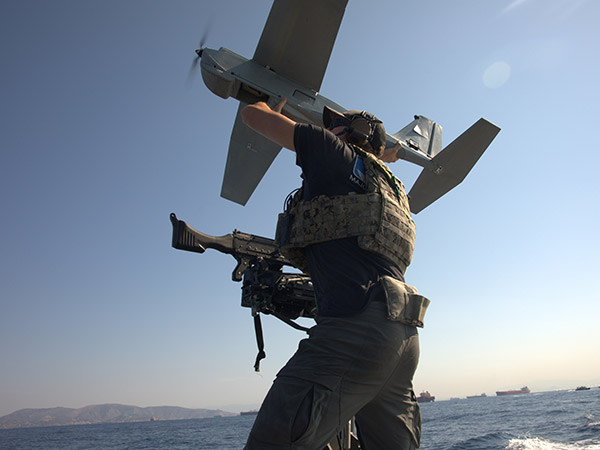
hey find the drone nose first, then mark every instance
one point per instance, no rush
(199, 52)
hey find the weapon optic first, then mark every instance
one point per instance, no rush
(265, 287)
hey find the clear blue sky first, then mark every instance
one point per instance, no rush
(100, 139)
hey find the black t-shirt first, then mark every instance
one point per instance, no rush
(342, 272)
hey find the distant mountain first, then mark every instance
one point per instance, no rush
(108, 413)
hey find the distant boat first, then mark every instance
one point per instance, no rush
(523, 390)
(249, 413)
(154, 419)
(425, 397)
(582, 388)
(477, 396)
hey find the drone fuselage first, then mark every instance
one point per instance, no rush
(228, 74)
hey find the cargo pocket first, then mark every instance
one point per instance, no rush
(314, 418)
(411, 418)
(416, 425)
(285, 415)
(303, 416)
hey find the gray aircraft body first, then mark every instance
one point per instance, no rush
(290, 61)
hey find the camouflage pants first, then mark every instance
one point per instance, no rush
(358, 366)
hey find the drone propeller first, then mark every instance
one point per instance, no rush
(196, 60)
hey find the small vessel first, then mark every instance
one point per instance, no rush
(582, 388)
(523, 390)
(477, 396)
(249, 413)
(425, 397)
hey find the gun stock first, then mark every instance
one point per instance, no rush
(191, 240)
(246, 248)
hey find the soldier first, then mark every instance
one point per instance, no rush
(350, 229)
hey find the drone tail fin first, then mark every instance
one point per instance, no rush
(450, 166)
(423, 135)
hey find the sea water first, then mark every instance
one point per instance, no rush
(562, 420)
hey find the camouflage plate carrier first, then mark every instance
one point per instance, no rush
(380, 218)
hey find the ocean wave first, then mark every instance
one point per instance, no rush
(489, 441)
(591, 428)
(543, 444)
(592, 421)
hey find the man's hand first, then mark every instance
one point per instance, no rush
(390, 155)
(279, 106)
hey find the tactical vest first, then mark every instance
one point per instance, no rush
(380, 218)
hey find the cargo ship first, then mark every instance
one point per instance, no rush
(425, 397)
(477, 396)
(523, 390)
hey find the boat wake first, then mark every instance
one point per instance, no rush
(543, 444)
(506, 441)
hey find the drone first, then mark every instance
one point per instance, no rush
(290, 62)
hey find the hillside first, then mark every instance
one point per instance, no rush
(107, 413)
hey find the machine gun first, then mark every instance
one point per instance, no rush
(265, 287)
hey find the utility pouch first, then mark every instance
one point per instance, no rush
(404, 304)
(284, 227)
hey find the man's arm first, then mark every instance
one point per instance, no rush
(270, 123)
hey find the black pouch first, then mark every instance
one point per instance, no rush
(284, 227)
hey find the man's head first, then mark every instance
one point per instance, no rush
(362, 129)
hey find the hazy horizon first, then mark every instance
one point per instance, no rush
(236, 408)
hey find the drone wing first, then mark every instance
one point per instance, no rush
(250, 155)
(298, 38)
(296, 44)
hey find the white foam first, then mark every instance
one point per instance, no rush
(543, 444)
